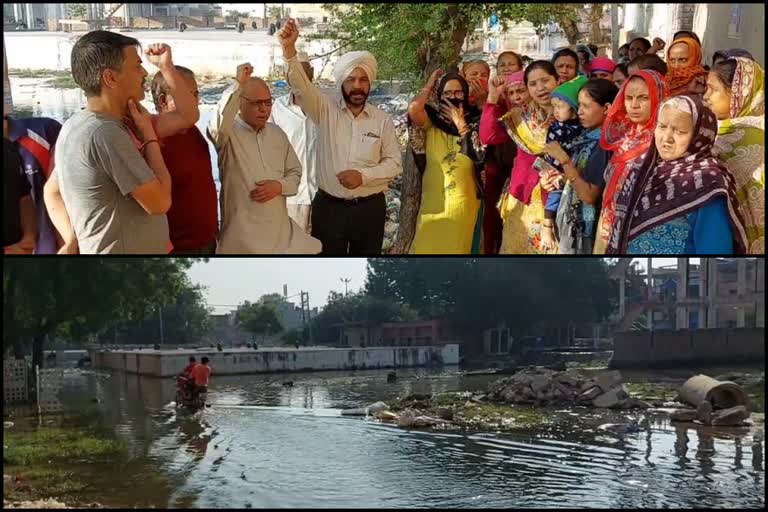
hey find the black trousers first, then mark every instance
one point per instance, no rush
(349, 227)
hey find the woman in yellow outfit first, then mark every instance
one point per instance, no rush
(522, 203)
(449, 220)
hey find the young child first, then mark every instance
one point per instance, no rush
(565, 128)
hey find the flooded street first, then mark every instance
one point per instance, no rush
(265, 444)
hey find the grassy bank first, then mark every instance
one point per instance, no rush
(58, 79)
(41, 461)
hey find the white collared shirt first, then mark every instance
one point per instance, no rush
(366, 143)
(302, 132)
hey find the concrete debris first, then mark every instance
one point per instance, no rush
(377, 407)
(611, 398)
(590, 394)
(608, 380)
(542, 386)
(406, 418)
(704, 412)
(7, 424)
(386, 416)
(353, 412)
(731, 417)
(445, 413)
(365, 411)
(722, 395)
(684, 415)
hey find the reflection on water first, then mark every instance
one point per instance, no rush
(263, 444)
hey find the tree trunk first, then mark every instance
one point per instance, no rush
(571, 30)
(410, 200)
(10, 327)
(595, 15)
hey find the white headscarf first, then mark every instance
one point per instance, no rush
(351, 60)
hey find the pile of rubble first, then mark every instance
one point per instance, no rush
(549, 387)
(408, 418)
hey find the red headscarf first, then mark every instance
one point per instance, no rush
(627, 141)
(678, 79)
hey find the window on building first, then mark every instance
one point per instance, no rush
(735, 22)
(504, 340)
(325, 19)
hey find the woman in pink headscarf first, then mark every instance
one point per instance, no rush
(508, 90)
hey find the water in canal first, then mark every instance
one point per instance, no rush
(264, 444)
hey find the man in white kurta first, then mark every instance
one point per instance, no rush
(302, 132)
(258, 169)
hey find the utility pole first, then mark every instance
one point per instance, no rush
(346, 282)
(306, 319)
(160, 315)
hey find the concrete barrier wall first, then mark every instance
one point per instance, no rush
(672, 346)
(631, 347)
(679, 347)
(748, 341)
(713, 343)
(170, 363)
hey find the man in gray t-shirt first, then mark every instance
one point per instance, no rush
(97, 168)
(105, 195)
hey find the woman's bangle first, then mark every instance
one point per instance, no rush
(150, 141)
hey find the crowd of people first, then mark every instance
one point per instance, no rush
(580, 154)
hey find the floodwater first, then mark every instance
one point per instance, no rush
(263, 444)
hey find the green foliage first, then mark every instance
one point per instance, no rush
(291, 337)
(359, 307)
(477, 293)
(274, 11)
(77, 11)
(46, 445)
(66, 296)
(410, 40)
(186, 320)
(259, 318)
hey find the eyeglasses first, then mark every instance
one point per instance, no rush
(257, 103)
(453, 94)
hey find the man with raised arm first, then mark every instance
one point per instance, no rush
(357, 149)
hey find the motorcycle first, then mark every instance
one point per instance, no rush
(195, 399)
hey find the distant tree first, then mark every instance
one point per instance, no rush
(477, 293)
(274, 12)
(259, 319)
(291, 337)
(47, 297)
(358, 307)
(77, 11)
(185, 320)
(234, 13)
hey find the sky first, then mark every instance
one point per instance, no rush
(230, 281)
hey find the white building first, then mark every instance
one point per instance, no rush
(719, 26)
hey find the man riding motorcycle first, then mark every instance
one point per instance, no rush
(184, 381)
(200, 375)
